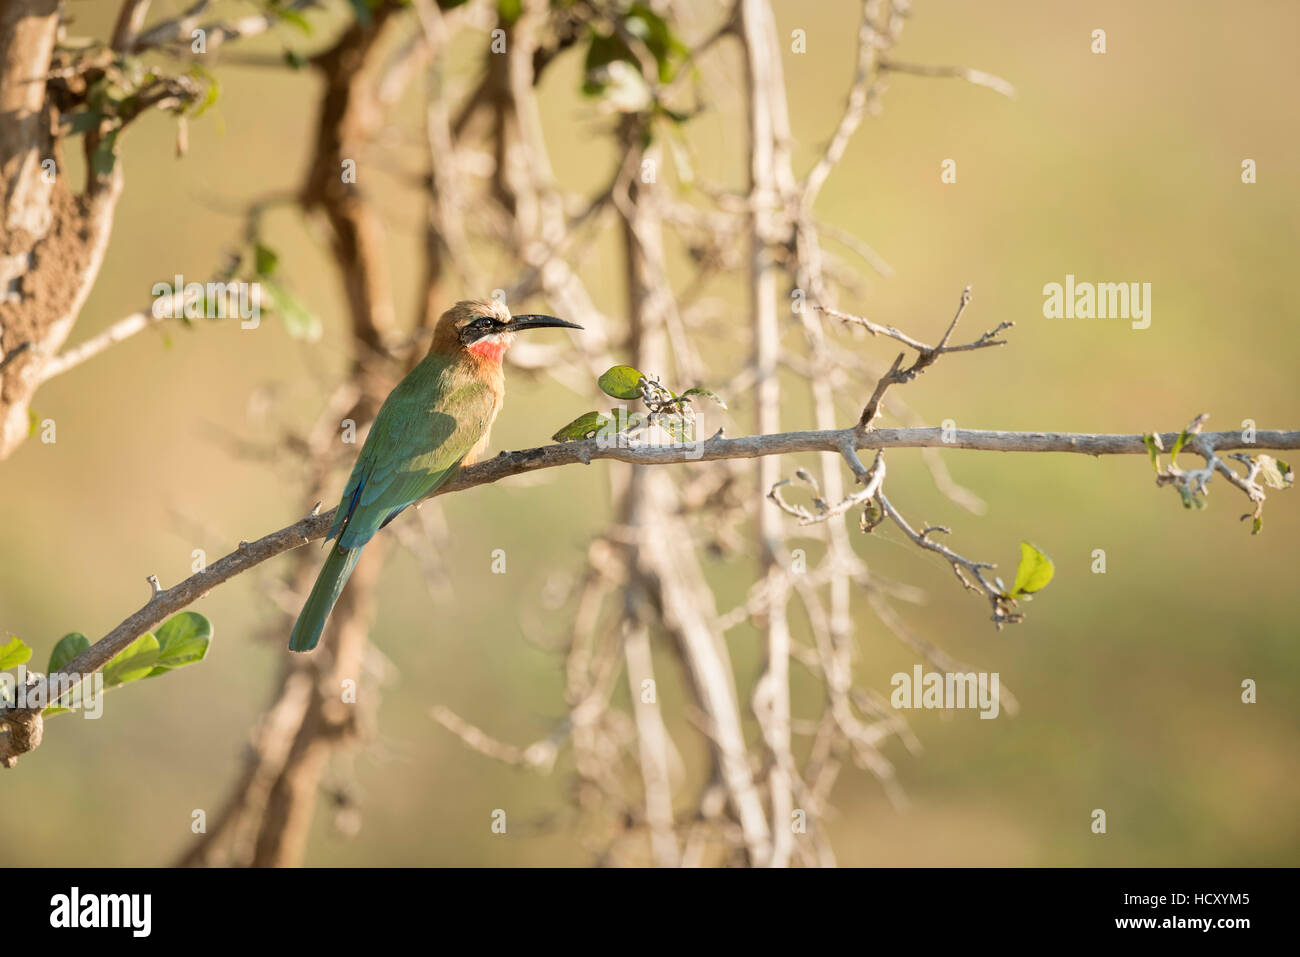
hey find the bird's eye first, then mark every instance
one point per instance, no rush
(483, 323)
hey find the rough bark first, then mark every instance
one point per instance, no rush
(53, 240)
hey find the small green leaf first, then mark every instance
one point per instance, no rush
(294, 59)
(1034, 572)
(33, 422)
(655, 32)
(583, 427)
(362, 9)
(1150, 441)
(133, 662)
(622, 382)
(83, 121)
(1178, 444)
(182, 640)
(610, 50)
(510, 10)
(294, 17)
(300, 321)
(708, 394)
(1257, 525)
(68, 647)
(210, 95)
(104, 155)
(264, 259)
(13, 653)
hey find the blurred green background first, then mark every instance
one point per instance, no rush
(1115, 167)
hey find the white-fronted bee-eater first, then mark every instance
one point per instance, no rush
(435, 420)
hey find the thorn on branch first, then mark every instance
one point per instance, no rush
(961, 307)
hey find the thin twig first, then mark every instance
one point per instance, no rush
(978, 77)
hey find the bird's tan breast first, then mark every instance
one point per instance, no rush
(480, 447)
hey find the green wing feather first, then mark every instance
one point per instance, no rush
(424, 430)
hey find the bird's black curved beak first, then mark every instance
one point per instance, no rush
(531, 321)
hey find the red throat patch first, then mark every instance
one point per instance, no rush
(491, 351)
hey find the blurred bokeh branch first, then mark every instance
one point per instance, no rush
(55, 237)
